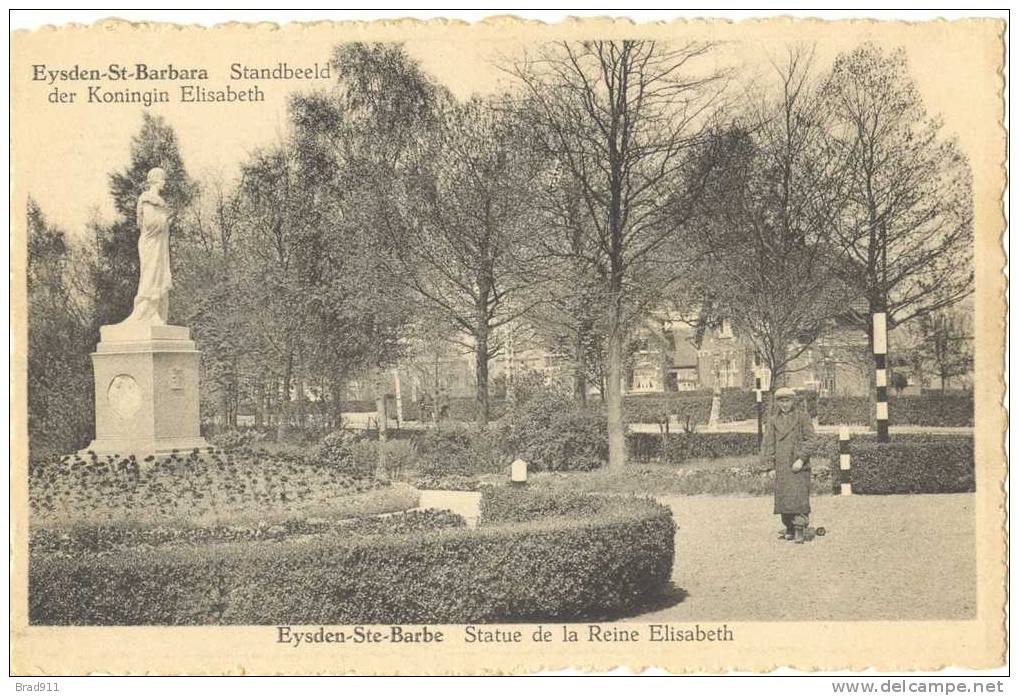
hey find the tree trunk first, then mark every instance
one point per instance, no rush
(614, 393)
(284, 419)
(580, 366)
(481, 372)
(381, 416)
(224, 408)
(336, 393)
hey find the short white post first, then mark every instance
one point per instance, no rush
(518, 472)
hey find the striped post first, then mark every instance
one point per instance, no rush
(845, 463)
(760, 411)
(881, 375)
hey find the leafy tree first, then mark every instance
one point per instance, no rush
(60, 390)
(355, 147)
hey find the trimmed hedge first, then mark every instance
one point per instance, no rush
(932, 410)
(911, 464)
(651, 408)
(843, 410)
(646, 447)
(590, 567)
(736, 404)
(740, 404)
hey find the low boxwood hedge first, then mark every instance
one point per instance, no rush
(646, 447)
(910, 464)
(560, 568)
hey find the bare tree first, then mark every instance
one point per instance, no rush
(474, 213)
(568, 269)
(908, 225)
(621, 117)
(946, 344)
(762, 246)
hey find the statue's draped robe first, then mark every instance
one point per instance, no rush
(154, 280)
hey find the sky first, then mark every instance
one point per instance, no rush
(64, 153)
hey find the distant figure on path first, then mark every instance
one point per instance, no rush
(786, 448)
(151, 302)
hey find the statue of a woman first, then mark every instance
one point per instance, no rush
(151, 302)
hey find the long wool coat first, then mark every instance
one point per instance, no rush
(788, 437)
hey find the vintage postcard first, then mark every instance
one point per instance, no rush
(430, 347)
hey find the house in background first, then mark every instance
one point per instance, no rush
(673, 353)
(670, 352)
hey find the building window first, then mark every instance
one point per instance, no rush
(726, 330)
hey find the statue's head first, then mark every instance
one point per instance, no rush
(156, 177)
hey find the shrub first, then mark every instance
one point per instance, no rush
(646, 447)
(548, 569)
(461, 450)
(465, 409)
(413, 411)
(917, 464)
(412, 521)
(345, 451)
(554, 433)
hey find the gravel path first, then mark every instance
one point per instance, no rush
(884, 557)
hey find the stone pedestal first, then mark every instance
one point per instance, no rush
(146, 381)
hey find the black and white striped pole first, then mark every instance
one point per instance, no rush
(881, 375)
(845, 462)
